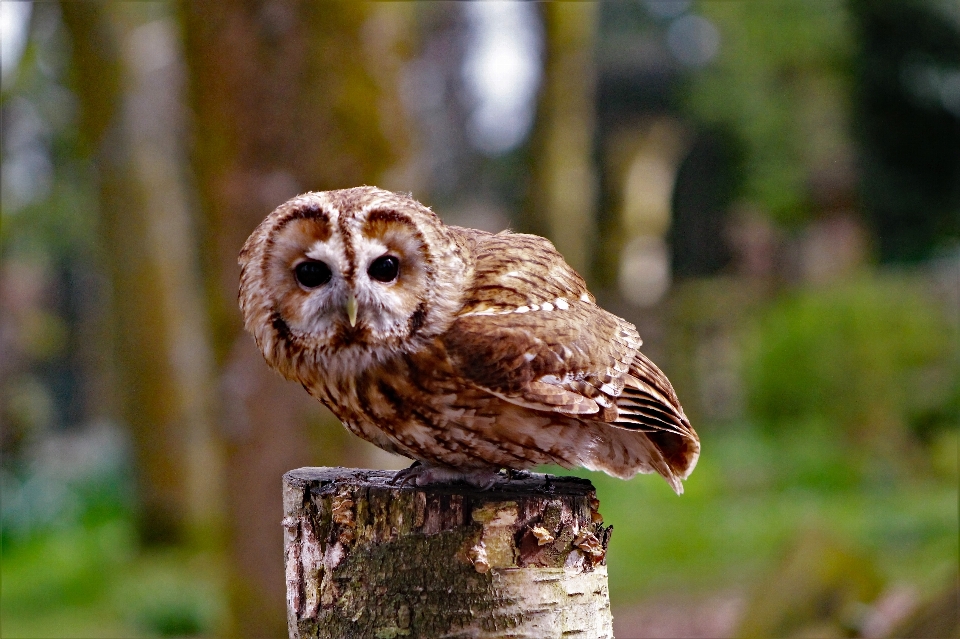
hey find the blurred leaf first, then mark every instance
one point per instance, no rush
(780, 83)
(71, 567)
(749, 498)
(171, 594)
(863, 359)
(819, 590)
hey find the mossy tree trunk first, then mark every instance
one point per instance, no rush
(365, 558)
(287, 97)
(564, 180)
(130, 118)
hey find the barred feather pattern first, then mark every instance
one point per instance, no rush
(486, 351)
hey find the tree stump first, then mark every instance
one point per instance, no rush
(365, 558)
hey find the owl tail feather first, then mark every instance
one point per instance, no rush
(651, 433)
(624, 453)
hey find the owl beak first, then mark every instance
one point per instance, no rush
(352, 310)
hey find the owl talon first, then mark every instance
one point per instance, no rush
(407, 474)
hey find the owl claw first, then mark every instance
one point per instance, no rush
(407, 474)
(423, 475)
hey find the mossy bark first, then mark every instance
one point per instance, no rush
(128, 123)
(286, 97)
(365, 558)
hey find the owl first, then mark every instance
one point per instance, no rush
(468, 352)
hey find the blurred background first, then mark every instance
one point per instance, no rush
(770, 191)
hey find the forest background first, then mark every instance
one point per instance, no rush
(769, 190)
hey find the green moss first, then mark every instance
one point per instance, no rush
(371, 579)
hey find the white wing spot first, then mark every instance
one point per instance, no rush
(559, 303)
(529, 356)
(585, 298)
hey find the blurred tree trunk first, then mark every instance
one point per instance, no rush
(124, 75)
(288, 96)
(564, 180)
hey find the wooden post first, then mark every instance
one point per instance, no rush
(365, 558)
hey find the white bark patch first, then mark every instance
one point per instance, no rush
(333, 556)
(291, 529)
(311, 564)
(328, 591)
(498, 521)
(555, 602)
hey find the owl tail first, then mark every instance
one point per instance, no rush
(651, 433)
(624, 453)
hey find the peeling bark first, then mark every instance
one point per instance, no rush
(368, 559)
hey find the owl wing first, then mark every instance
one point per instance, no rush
(570, 358)
(531, 334)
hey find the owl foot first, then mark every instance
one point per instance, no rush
(422, 475)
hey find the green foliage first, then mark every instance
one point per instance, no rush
(71, 564)
(54, 492)
(70, 567)
(48, 202)
(90, 580)
(780, 82)
(821, 587)
(749, 501)
(57, 584)
(871, 356)
(170, 594)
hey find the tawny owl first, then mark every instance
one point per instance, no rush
(467, 351)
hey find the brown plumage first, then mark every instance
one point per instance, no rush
(464, 350)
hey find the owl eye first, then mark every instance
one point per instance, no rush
(384, 269)
(312, 274)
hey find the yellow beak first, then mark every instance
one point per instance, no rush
(352, 310)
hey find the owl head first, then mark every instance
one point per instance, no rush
(340, 278)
